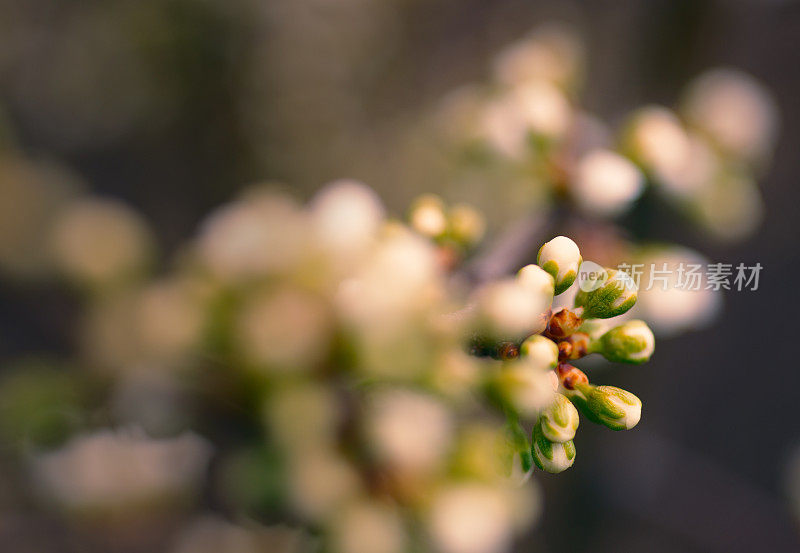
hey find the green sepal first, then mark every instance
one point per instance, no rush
(603, 302)
(553, 457)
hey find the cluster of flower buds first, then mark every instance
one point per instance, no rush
(455, 228)
(536, 381)
(704, 155)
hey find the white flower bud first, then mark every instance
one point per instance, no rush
(631, 342)
(735, 111)
(537, 279)
(607, 405)
(98, 241)
(730, 207)
(470, 518)
(346, 216)
(551, 456)
(511, 309)
(527, 389)
(552, 53)
(559, 421)
(467, 224)
(561, 258)
(366, 526)
(656, 138)
(543, 108)
(539, 351)
(608, 294)
(606, 183)
(427, 216)
(408, 431)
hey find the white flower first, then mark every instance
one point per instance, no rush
(552, 54)
(33, 194)
(698, 171)
(543, 108)
(368, 527)
(303, 416)
(502, 127)
(427, 216)
(320, 482)
(528, 389)
(534, 108)
(346, 216)
(658, 140)
(109, 469)
(170, 319)
(730, 207)
(209, 534)
(735, 111)
(408, 431)
(471, 518)
(400, 278)
(606, 183)
(98, 241)
(467, 223)
(284, 329)
(262, 233)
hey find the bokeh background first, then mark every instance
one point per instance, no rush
(174, 105)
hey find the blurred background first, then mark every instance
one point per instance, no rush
(175, 106)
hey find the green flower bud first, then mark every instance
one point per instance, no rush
(607, 294)
(632, 342)
(540, 351)
(561, 258)
(607, 405)
(551, 456)
(559, 421)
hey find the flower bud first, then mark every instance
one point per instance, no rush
(632, 342)
(527, 390)
(559, 421)
(509, 309)
(467, 224)
(427, 216)
(606, 183)
(607, 405)
(570, 377)
(539, 351)
(537, 279)
(561, 258)
(606, 295)
(563, 323)
(551, 456)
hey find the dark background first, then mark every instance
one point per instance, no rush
(173, 105)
